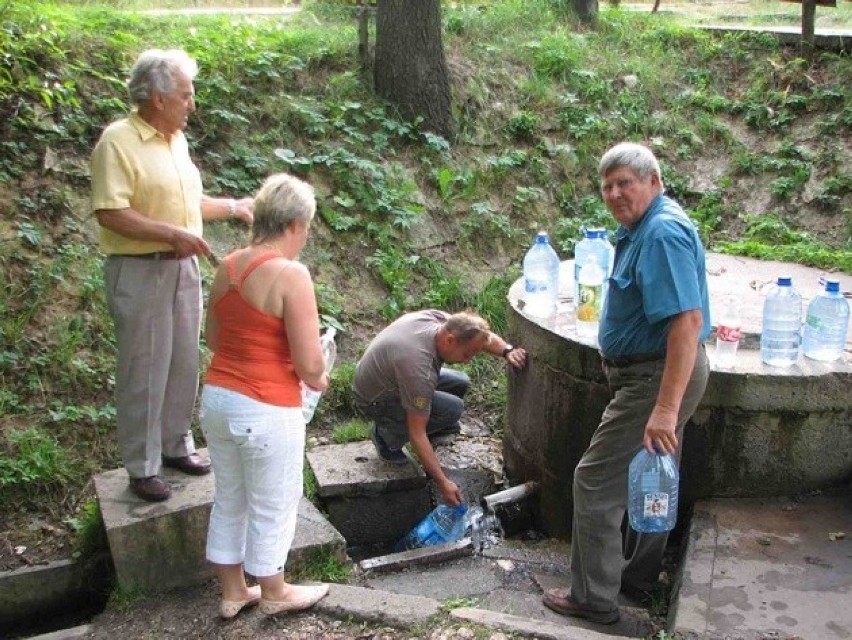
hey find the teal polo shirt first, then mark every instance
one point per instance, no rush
(659, 272)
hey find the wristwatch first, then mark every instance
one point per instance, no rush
(507, 350)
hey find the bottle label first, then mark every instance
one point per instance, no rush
(656, 505)
(590, 303)
(727, 333)
(535, 286)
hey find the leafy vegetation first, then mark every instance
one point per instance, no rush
(750, 136)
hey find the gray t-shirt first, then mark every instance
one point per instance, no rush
(402, 362)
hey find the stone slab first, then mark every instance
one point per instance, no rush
(156, 546)
(528, 627)
(760, 568)
(355, 469)
(415, 557)
(159, 546)
(398, 610)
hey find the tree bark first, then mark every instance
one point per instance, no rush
(808, 22)
(586, 10)
(410, 67)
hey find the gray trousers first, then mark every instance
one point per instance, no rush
(601, 559)
(156, 308)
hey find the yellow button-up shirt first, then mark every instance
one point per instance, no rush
(133, 165)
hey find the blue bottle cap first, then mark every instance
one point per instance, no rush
(785, 281)
(541, 237)
(832, 286)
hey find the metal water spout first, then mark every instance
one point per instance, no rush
(512, 494)
(513, 507)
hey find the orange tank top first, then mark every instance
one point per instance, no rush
(253, 356)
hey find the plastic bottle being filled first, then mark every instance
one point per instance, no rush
(443, 525)
(541, 278)
(782, 324)
(826, 324)
(310, 397)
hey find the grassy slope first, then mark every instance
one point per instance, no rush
(753, 141)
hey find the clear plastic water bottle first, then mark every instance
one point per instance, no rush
(652, 489)
(826, 325)
(310, 397)
(443, 525)
(590, 299)
(594, 243)
(541, 278)
(728, 334)
(782, 324)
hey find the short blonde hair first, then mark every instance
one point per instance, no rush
(466, 326)
(282, 200)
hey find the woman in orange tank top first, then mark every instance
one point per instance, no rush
(263, 329)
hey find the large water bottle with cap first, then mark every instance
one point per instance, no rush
(780, 335)
(311, 397)
(443, 525)
(652, 490)
(589, 303)
(541, 278)
(594, 243)
(826, 324)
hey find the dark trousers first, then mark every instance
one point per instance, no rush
(447, 406)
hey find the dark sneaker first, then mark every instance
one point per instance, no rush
(386, 454)
(560, 601)
(152, 488)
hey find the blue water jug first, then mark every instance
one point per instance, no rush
(541, 278)
(443, 525)
(826, 324)
(652, 488)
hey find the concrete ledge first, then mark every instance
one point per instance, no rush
(160, 546)
(30, 595)
(416, 557)
(396, 610)
(157, 546)
(760, 568)
(542, 629)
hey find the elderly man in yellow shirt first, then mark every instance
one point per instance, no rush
(148, 199)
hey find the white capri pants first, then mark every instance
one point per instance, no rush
(257, 453)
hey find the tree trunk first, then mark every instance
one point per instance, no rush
(586, 10)
(410, 68)
(808, 22)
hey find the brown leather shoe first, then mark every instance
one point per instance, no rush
(152, 488)
(192, 464)
(560, 601)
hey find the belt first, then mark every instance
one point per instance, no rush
(157, 255)
(634, 358)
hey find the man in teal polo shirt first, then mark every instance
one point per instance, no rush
(655, 320)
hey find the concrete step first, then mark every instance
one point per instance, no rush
(160, 546)
(768, 568)
(372, 502)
